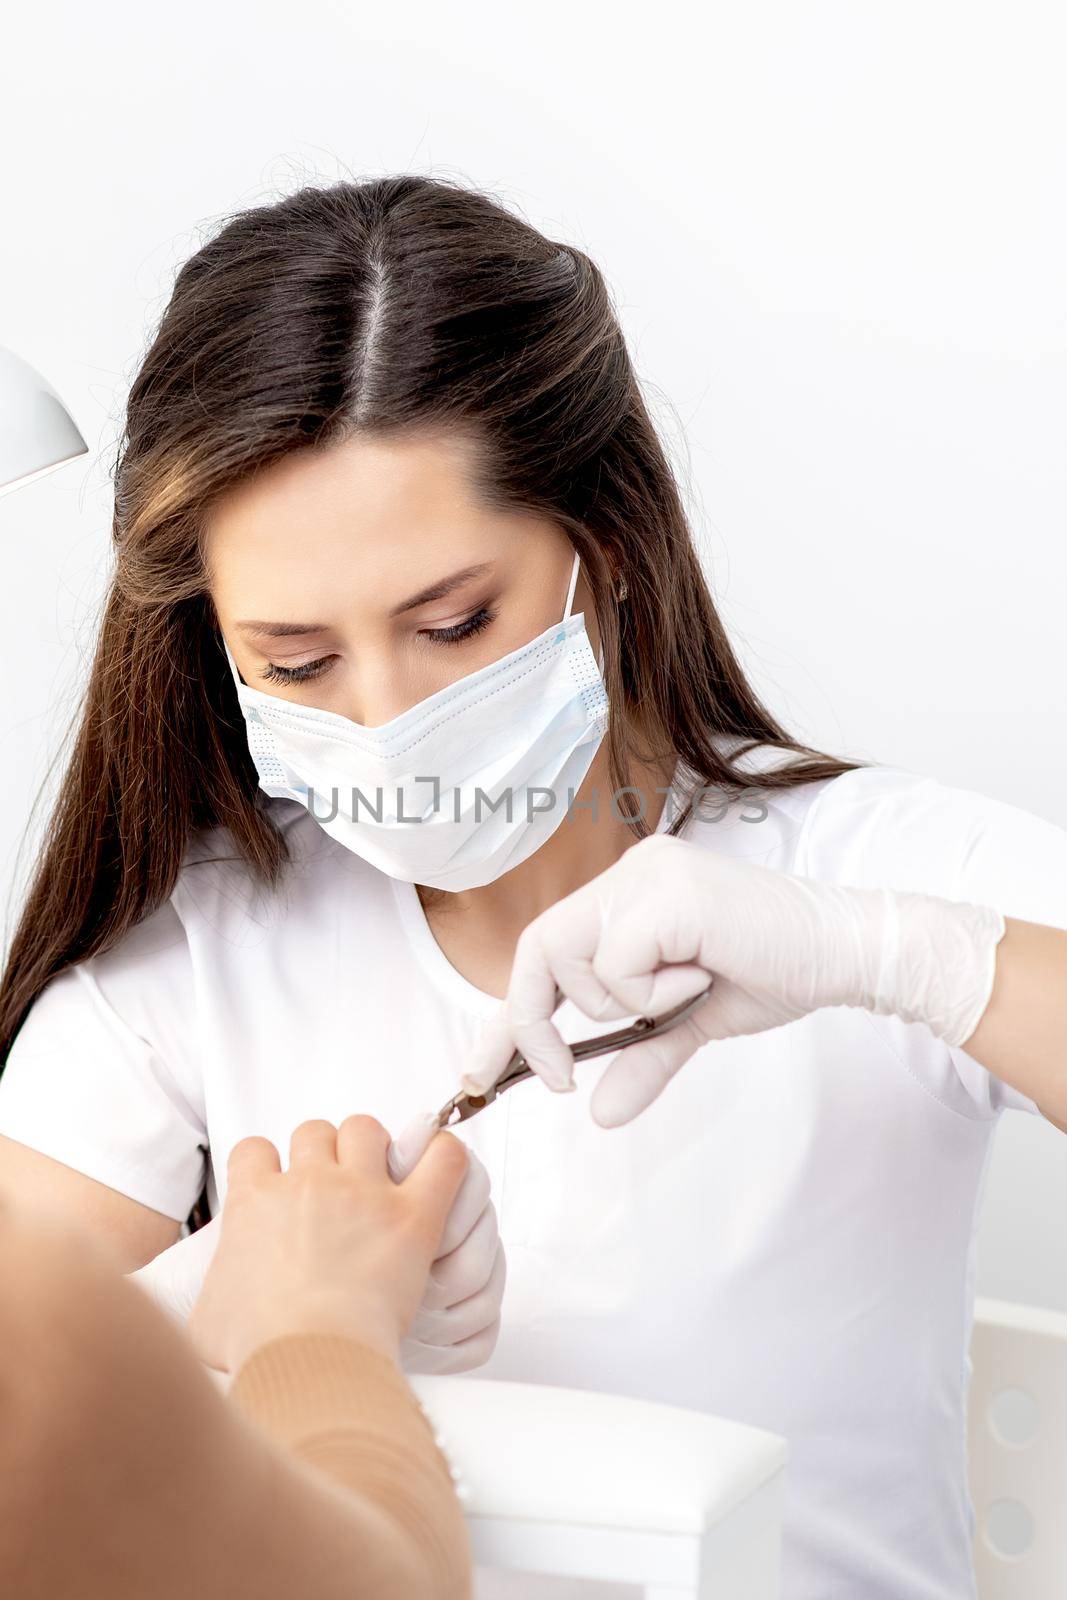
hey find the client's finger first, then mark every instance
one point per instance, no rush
(362, 1142)
(253, 1157)
(314, 1140)
(436, 1181)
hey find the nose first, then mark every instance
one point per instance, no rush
(379, 693)
(372, 709)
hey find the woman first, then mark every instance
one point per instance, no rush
(397, 542)
(107, 1415)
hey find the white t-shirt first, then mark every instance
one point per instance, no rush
(786, 1237)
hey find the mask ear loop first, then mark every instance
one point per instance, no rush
(238, 680)
(567, 609)
(570, 591)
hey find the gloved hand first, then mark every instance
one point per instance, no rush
(645, 934)
(173, 1278)
(457, 1324)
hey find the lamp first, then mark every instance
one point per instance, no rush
(37, 432)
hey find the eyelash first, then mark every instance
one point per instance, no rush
(456, 634)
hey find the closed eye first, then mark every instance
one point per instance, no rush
(272, 673)
(455, 634)
(475, 623)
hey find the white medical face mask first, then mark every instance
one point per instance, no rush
(462, 786)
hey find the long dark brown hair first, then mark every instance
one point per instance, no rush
(364, 308)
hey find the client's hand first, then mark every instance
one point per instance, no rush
(332, 1245)
(457, 1324)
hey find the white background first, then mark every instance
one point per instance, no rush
(837, 237)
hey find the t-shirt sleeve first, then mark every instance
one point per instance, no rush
(100, 1078)
(889, 828)
(1017, 862)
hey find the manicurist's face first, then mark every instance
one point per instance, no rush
(365, 577)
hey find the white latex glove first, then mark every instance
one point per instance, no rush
(645, 934)
(457, 1324)
(173, 1278)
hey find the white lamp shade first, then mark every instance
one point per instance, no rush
(37, 432)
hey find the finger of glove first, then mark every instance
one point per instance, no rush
(409, 1146)
(553, 956)
(733, 1010)
(466, 1269)
(649, 953)
(650, 993)
(490, 1054)
(641, 1072)
(434, 1360)
(461, 1321)
(567, 938)
(467, 1317)
(175, 1277)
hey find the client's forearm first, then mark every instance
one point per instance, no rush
(125, 1472)
(344, 1410)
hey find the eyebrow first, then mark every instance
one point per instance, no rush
(282, 630)
(435, 591)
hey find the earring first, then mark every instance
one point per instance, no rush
(622, 591)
